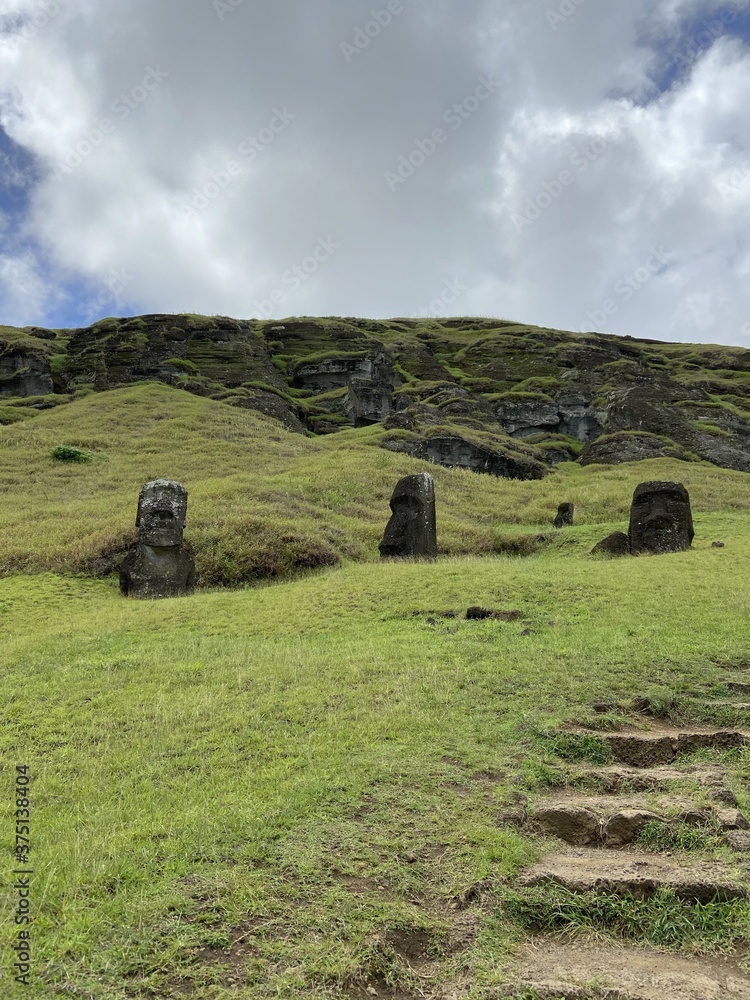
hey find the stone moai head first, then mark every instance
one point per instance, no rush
(412, 529)
(162, 509)
(564, 517)
(660, 518)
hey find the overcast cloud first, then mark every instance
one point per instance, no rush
(571, 163)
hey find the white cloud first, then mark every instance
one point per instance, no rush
(657, 182)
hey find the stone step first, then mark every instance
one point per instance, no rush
(614, 777)
(633, 873)
(661, 745)
(614, 820)
(568, 971)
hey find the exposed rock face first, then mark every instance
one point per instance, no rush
(159, 566)
(24, 372)
(571, 413)
(616, 544)
(564, 518)
(624, 399)
(412, 529)
(205, 355)
(370, 381)
(630, 446)
(660, 518)
(455, 452)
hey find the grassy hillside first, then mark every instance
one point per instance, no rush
(304, 789)
(266, 503)
(481, 393)
(313, 788)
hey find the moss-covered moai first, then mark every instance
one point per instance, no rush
(412, 529)
(564, 518)
(159, 566)
(660, 519)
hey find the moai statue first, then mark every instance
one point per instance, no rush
(411, 530)
(660, 519)
(159, 566)
(564, 517)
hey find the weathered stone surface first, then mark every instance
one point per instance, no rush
(642, 749)
(722, 739)
(159, 566)
(412, 530)
(616, 544)
(565, 970)
(564, 518)
(629, 446)
(571, 823)
(731, 819)
(624, 827)
(660, 518)
(24, 372)
(738, 840)
(631, 873)
(615, 777)
(370, 380)
(457, 452)
(661, 746)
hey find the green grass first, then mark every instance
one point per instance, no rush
(318, 766)
(288, 790)
(266, 503)
(663, 919)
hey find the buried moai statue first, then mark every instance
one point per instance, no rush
(564, 517)
(660, 519)
(159, 566)
(412, 529)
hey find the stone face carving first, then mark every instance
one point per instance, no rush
(159, 566)
(660, 518)
(412, 529)
(564, 517)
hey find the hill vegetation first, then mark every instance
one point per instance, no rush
(315, 777)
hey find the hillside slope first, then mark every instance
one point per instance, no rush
(266, 502)
(488, 395)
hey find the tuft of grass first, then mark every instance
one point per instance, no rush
(69, 453)
(663, 919)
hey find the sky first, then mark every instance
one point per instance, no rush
(569, 163)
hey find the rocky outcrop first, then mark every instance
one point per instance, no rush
(571, 413)
(631, 446)
(480, 381)
(24, 372)
(456, 452)
(369, 379)
(205, 355)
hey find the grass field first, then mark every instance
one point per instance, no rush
(291, 789)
